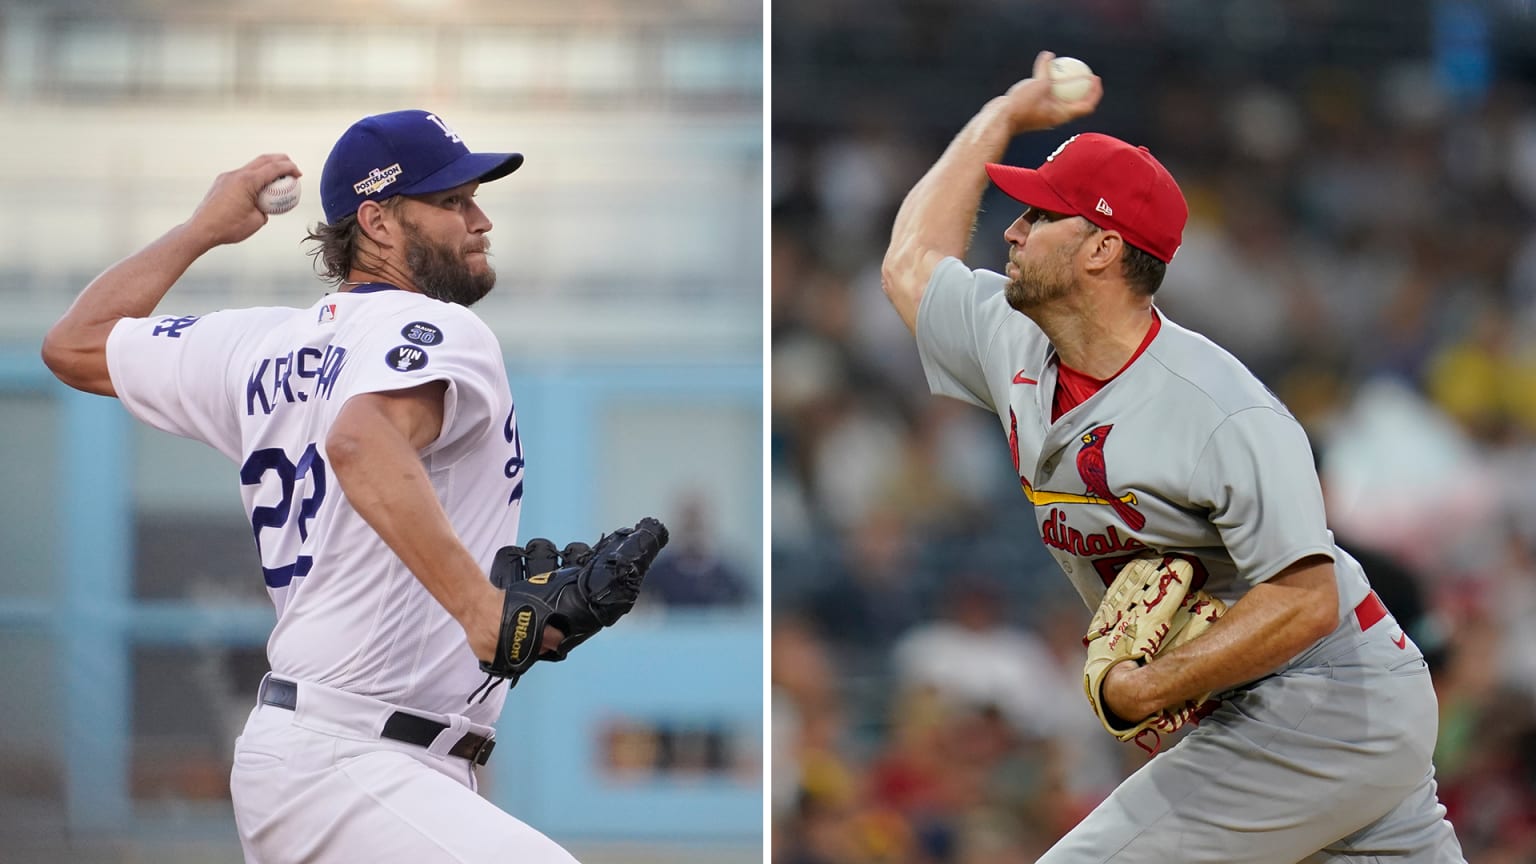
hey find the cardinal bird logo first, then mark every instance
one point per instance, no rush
(1090, 466)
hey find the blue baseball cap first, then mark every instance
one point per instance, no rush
(402, 153)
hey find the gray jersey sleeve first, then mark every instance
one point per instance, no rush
(957, 324)
(1256, 478)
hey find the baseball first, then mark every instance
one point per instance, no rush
(1070, 79)
(279, 196)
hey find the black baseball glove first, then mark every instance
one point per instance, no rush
(578, 590)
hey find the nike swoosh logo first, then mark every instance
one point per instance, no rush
(1018, 378)
(1400, 640)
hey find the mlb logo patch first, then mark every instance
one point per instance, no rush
(327, 314)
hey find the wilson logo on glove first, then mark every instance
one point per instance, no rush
(519, 647)
(575, 591)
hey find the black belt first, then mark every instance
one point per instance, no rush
(410, 728)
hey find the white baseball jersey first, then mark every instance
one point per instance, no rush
(1183, 452)
(263, 387)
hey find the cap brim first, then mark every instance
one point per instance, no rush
(469, 168)
(1025, 185)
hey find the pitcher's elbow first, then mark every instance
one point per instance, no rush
(342, 450)
(53, 354)
(64, 359)
(75, 351)
(891, 271)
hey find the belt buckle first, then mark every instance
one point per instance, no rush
(483, 752)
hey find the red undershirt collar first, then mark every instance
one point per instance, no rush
(1073, 388)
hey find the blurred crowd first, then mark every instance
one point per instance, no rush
(1362, 185)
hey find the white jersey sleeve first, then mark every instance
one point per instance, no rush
(1255, 475)
(172, 371)
(455, 347)
(957, 325)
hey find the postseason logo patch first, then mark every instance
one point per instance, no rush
(406, 358)
(422, 333)
(377, 179)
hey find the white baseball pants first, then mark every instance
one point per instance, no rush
(318, 784)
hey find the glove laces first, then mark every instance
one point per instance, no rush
(489, 685)
(1196, 714)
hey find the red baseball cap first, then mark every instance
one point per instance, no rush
(1108, 182)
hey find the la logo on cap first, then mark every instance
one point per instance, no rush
(447, 130)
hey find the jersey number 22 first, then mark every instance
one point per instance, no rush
(252, 473)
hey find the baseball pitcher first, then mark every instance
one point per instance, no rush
(381, 467)
(1178, 496)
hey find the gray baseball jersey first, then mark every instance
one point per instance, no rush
(1186, 452)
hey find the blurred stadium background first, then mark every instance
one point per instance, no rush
(630, 308)
(1362, 180)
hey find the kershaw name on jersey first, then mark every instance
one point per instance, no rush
(271, 383)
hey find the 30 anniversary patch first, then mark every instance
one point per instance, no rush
(422, 333)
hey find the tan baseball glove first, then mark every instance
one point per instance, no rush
(1148, 609)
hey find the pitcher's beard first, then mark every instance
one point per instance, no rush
(443, 274)
(1032, 289)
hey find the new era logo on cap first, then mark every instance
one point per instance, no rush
(1090, 170)
(402, 153)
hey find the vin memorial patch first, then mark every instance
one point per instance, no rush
(406, 358)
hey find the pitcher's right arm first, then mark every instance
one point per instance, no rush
(75, 349)
(938, 216)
